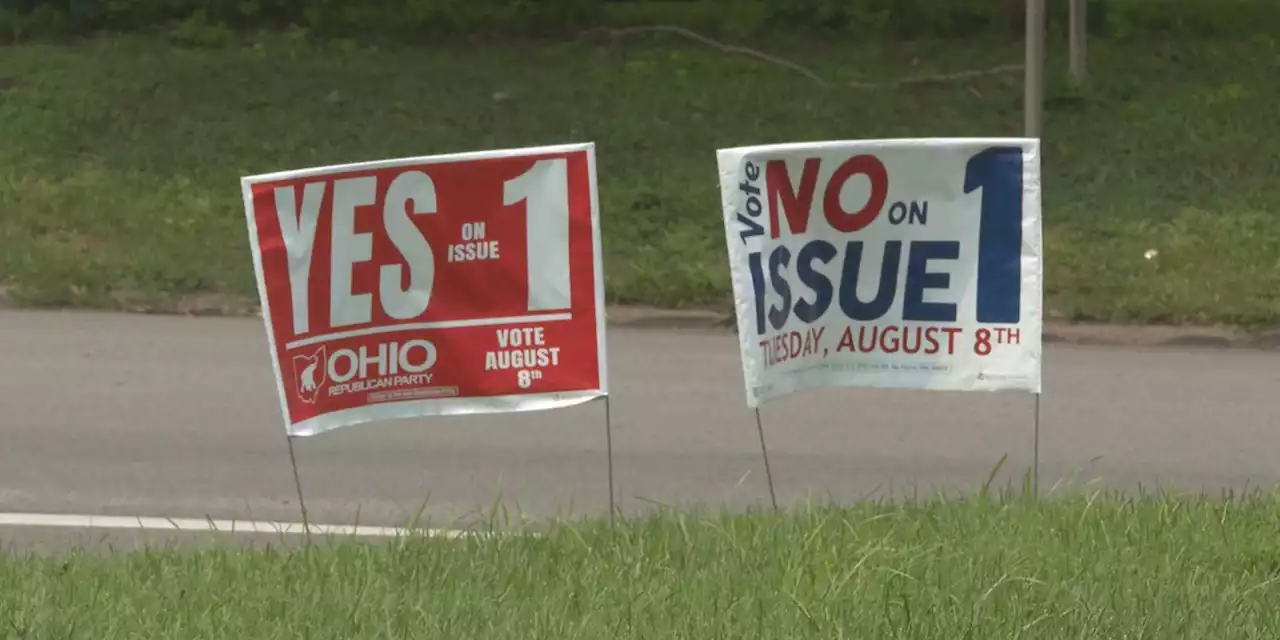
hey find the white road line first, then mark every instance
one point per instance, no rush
(80, 521)
(420, 326)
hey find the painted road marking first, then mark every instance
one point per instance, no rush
(80, 521)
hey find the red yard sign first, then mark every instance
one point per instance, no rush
(452, 284)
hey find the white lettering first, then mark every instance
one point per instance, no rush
(399, 302)
(298, 228)
(414, 356)
(349, 248)
(367, 360)
(428, 357)
(473, 231)
(352, 367)
(416, 380)
(521, 336)
(518, 358)
(471, 251)
(544, 190)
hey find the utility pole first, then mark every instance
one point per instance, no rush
(1079, 36)
(1034, 97)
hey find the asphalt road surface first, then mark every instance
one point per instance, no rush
(109, 414)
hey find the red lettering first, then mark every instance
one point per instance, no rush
(951, 338)
(933, 341)
(842, 220)
(907, 347)
(795, 206)
(886, 345)
(783, 196)
(846, 340)
(896, 338)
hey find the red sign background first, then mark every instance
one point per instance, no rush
(476, 294)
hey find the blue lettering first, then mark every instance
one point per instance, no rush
(918, 279)
(998, 172)
(777, 263)
(752, 229)
(819, 286)
(919, 213)
(757, 288)
(897, 213)
(856, 309)
(823, 252)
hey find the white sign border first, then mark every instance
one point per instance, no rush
(435, 407)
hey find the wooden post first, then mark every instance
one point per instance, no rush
(1079, 36)
(1034, 96)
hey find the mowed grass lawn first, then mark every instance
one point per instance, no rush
(121, 157)
(1101, 567)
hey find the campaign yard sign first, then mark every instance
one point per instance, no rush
(911, 263)
(435, 285)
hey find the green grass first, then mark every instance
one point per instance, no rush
(1081, 567)
(121, 157)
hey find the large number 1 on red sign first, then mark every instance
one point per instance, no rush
(544, 189)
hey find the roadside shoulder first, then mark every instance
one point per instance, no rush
(642, 317)
(1054, 332)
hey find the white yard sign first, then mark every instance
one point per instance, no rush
(886, 263)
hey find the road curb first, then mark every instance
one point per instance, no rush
(1054, 333)
(640, 317)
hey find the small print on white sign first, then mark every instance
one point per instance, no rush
(910, 264)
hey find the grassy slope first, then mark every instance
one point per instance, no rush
(1077, 568)
(120, 164)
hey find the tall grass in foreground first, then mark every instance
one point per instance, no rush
(1102, 567)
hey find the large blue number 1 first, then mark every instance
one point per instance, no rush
(998, 172)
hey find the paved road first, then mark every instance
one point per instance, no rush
(177, 417)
